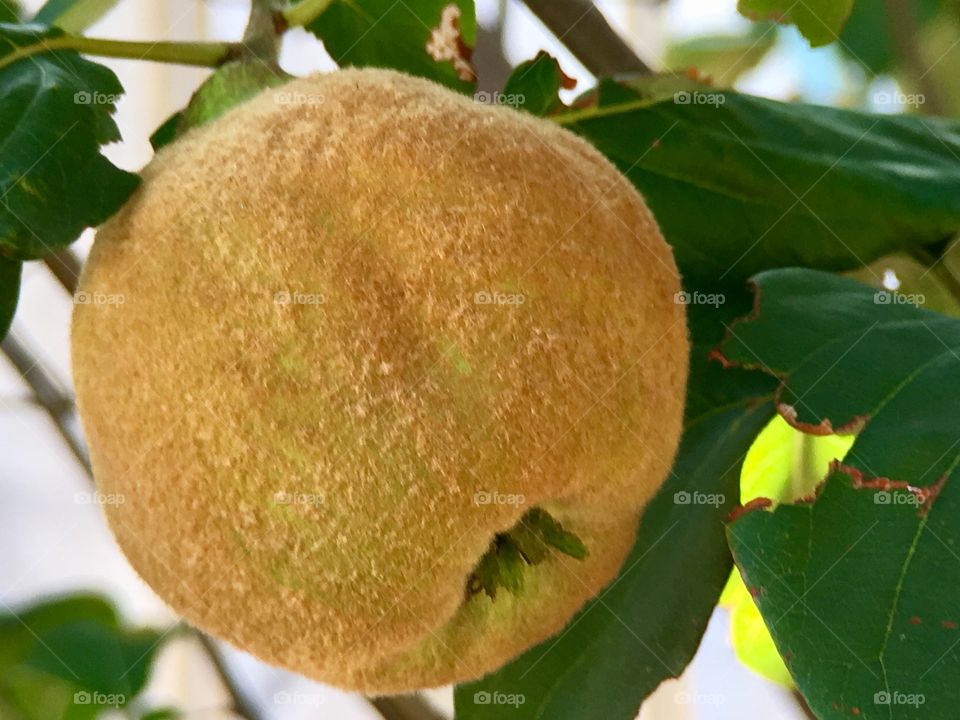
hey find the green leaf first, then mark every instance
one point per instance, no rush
(723, 58)
(400, 35)
(534, 86)
(55, 113)
(77, 651)
(740, 184)
(162, 714)
(527, 543)
(73, 15)
(167, 132)
(9, 11)
(820, 21)
(646, 626)
(225, 88)
(861, 587)
(9, 292)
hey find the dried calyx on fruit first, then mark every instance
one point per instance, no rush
(352, 304)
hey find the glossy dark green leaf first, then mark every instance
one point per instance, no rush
(646, 626)
(820, 21)
(740, 184)
(534, 86)
(861, 587)
(55, 114)
(77, 652)
(9, 292)
(430, 38)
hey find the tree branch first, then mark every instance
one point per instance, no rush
(580, 26)
(240, 705)
(50, 395)
(405, 707)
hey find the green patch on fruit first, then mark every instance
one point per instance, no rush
(459, 361)
(529, 542)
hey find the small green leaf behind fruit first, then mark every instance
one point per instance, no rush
(227, 87)
(534, 86)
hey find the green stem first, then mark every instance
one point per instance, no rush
(181, 53)
(305, 12)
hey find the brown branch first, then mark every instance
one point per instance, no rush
(405, 707)
(580, 26)
(50, 395)
(65, 266)
(238, 700)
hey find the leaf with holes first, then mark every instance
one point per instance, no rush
(820, 21)
(430, 38)
(55, 114)
(646, 626)
(740, 184)
(860, 586)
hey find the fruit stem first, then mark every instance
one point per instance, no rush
(203, 54)
(304, 13)
(261, 38)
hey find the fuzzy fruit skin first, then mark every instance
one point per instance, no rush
(386, 393)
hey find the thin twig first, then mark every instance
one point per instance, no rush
(65, 266)
(405, 707)
(580, 26)
(50, 395)
(241, 706)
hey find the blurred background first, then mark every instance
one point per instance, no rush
(894, 56)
